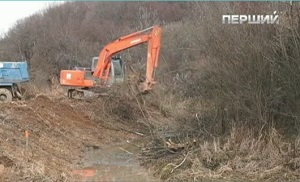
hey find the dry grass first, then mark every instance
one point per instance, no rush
(238, 156)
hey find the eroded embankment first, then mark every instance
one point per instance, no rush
(59, 132)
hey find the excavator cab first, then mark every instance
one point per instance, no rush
(117, 72)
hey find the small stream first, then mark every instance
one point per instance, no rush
(117, 163)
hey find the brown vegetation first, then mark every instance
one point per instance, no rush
(227, 94)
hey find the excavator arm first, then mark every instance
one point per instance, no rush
(153, 38)
(76, 78)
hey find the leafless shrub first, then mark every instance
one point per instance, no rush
(241, 154)
(242, 76)
(212, 77)
(248, 73)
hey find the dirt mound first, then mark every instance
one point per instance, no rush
(58, 133)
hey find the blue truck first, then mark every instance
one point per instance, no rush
(12, 74)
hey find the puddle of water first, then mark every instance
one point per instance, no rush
(118, 163)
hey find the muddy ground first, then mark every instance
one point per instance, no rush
(59, 132)
(52, 138)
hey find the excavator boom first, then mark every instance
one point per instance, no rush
(102, 70)
(126, 42)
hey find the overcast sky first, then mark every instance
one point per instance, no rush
(11, 11)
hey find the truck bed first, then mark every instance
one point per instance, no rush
(13, 72)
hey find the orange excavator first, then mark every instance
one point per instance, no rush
(108, 69)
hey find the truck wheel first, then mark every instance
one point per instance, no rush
(5, 95)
